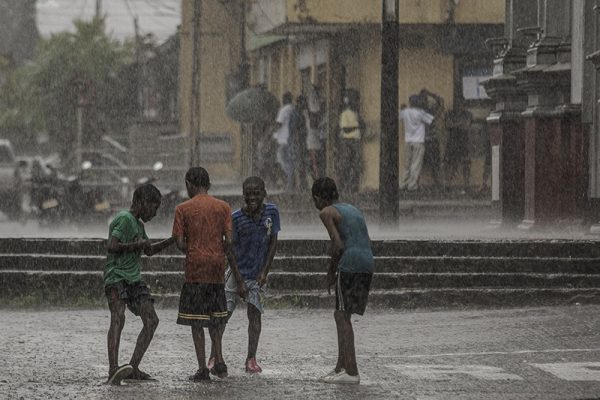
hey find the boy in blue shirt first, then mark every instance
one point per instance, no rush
(350, 271)
(255, 228)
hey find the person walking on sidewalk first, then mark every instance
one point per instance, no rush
(415, 119)
(255, 229)
(350, 271)
(123, 283)
(202, 230)
(281, 133)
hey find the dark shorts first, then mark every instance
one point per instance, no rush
(352, 292)
(133, 294)
(202, 304)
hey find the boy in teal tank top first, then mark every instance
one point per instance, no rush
(123, 284)
(350, 271)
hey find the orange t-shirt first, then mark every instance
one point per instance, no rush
(203, 221)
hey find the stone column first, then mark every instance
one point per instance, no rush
(505, 122)
(591, 104)
(548, 119)
(506, 137)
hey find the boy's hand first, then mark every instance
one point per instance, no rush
(242, 289)
(331, 278)
(144, 244)
(262, 279)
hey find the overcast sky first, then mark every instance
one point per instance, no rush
(159, 17)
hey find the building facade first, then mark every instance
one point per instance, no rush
(544, 128)
(335, 45)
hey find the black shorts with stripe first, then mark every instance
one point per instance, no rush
(352, 292)
(202, 304)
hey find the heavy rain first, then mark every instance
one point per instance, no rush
(299, 199)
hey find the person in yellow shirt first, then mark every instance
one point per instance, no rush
(351, 127)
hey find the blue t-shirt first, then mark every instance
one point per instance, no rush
(251, 240)
(357, 256)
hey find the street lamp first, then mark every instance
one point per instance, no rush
(389, 148)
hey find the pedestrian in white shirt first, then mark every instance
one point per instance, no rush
(415, 119)
(281, 134)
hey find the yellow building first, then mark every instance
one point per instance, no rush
(210, 56)
(335, 44)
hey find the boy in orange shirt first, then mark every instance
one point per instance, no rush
(203, 231)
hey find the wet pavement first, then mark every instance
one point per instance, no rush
(527, 353)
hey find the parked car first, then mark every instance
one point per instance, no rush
(105, 174)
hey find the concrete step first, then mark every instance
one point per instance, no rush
(420, 273)
(437, 298)
(69, 283)
(433, 264)
(302, 247)
(398, 299)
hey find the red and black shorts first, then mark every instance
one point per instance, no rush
(133, 294)
(352, 292)
(202, 304)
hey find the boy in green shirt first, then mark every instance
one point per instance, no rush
(123, 284)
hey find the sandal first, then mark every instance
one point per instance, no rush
(138, 375)
(219, 370)
(200, 376)
(118, 374)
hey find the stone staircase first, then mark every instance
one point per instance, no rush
(408, 274)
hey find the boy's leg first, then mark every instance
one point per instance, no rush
(340, 364)
(150, 321)
(254, 329)
(117, 321)
(346, 334)
(198, 336)
(216, 337)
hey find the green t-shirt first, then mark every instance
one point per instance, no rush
(125, 266)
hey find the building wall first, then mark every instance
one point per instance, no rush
(219, 55)
(358, 52)
(357, 48)
(411, 11)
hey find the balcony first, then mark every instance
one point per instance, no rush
(313, 16)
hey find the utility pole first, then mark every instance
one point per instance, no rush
(98, 8)
(389, 197)
(195, 92)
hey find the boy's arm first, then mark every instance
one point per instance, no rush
(159, 246)
(228, 247)
(181, 243)
(329, 216)
(262, 278)
(115, 246)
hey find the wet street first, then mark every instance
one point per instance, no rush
(537, 353)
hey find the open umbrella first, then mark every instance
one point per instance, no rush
(253, 105)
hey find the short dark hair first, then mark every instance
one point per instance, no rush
(147, 193)
(254, 180)
(287, 98)
(198, 177)
(325, 188)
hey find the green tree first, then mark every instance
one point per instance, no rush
(88, 65)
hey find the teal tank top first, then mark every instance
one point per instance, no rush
(357, 256)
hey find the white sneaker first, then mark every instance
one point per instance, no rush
(342, 377)
(325, 378)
